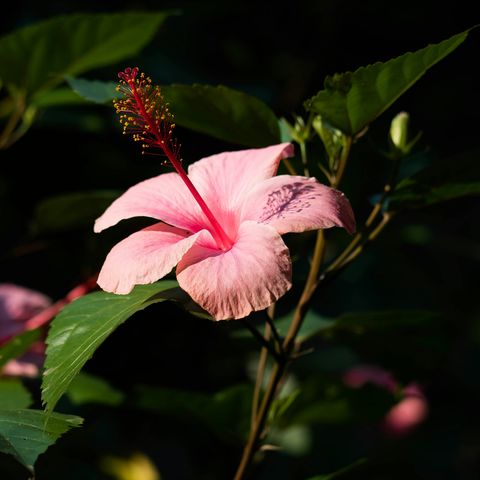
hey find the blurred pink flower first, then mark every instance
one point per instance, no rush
(18, 305)
(230, 255)
(407, 414)
(22, 309)
(410, 412)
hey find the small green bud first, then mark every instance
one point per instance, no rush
(399, 131)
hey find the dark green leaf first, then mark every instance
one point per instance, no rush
(94, 90)
(444, 180)
(86, 388)
(13, 395)
(26, 434)
(223, 113)
(82, 326)
(59, 96)
(39, 56)
(364, 322)
(351, 101)
(72, 210)
(18, 345)
(312, 324)
(225, 413)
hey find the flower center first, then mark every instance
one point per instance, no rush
(144, 114)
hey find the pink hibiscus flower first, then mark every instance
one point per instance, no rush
(221, 224)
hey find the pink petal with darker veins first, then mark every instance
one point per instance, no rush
(296, 204)
(225, 179)
(164, 198)
(250, 276)
(145, 257)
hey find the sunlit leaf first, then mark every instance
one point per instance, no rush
(223, 113)
(13, 395)
(72, 211)
(220, 112)
(351, 101)
(18, 345)
(39, 56)
(86, 388)
(94, 90)
(82, 326)
(26, 434)
(443, 180)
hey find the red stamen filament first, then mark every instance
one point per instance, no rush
(153, 134)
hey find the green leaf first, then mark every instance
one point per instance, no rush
(72, 211)
(86, 388)
(444, 180)
(13, 394)
(18, 345)
(351, 101)
(82, 326)
(39, 56)
(223, 113)
(219, 111)
(312, 324)
(225, 413)
(26, 434)
(59, 96)
(94, 90)
(363, 322)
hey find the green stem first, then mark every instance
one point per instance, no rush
(13, 121)
(262, 363)
(289, 341)
(263, 341)
(255, 433)
(300, 311)
(303, 154)
(342, 163)
(273, 329)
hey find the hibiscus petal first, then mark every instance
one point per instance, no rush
(250, 276)
(295, 204)
(224, 179)
(145, 257)
(164, 198)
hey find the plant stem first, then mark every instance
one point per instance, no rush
(262, 363)
(13, 120)
(317, 259)
(303, 154)
(342, 163)
(289, 341)
(263, 341)
(250, 447)
(273, 329)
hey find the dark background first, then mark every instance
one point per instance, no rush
(426, 259)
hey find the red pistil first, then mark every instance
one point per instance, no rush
(145, 115)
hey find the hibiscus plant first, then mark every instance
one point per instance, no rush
(222, 240)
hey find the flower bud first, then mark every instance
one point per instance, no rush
(399, 131)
